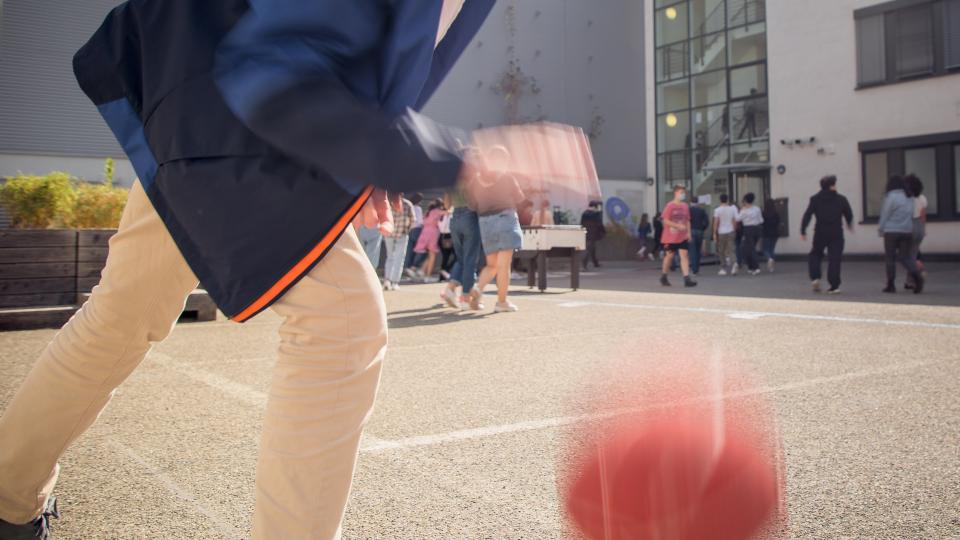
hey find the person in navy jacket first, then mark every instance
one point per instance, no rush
(258, 130)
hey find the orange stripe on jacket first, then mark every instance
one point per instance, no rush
(301, 267)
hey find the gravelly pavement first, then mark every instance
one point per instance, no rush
(472, 408)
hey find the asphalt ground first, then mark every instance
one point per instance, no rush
(474, 408)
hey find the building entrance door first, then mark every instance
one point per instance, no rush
(757, 182)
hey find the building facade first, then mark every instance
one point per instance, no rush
(767, 97)
(46, 123)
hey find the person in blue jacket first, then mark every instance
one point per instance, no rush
(258, 129)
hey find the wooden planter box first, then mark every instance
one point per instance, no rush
(46, 275)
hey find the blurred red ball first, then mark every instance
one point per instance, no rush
(674, 478)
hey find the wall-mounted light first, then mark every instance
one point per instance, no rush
(651, 181)
(671, 13)
(672, 120)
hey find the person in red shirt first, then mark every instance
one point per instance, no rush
(676, 236)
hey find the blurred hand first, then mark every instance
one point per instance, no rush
(803, 237)
(376, 214)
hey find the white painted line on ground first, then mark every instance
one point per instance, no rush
(754, 315)
(233, 389)
(535, 425)
(181, 493)
(238, 391)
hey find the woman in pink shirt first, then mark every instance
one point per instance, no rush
(429, 241)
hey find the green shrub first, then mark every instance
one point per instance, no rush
(39, 202)
(97, 206)
(59, 200)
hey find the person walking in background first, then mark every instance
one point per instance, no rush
(592, 220)
(896, 227)
(644, 232)
(699, 223)
(448, 257)
(410, 261)
(657, 236)
(500, 235)
(370, 239)
(771, 232)
(831, 209)
(465, 233)
(725, 233)
(429, 242)
(676, 236)
(396, 242)
(751, 218)
(915, 191)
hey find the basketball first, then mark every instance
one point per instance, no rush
(675, 479)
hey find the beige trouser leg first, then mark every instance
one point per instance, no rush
(323, 386)
(332, 342)
(141, 293)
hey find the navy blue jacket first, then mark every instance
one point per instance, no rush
(257, 127)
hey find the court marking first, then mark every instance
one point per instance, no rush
(180, 492)
(756, 315)
(547, 423)
(731, 313)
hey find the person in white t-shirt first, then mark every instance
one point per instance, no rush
(920, 204)
(725, 233)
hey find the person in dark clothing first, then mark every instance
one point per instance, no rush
(831, 210)
(771, 232)
(699, 223)
(657, 234)
(750, 111)
(592, 220)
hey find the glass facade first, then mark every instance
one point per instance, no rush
(711, 96)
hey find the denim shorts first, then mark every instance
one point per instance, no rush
(500, 232)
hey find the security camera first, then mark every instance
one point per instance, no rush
(783, 142)
(798, 141)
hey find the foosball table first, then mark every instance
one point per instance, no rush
(548, 242)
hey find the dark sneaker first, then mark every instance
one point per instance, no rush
(689, 282)
(918, 283)
(664, 281)
(36, 529)
(890, 289)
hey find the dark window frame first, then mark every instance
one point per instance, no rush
(947, 184)
(887, 10)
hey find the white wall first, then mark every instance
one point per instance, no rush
(84, 168)
(812, 71)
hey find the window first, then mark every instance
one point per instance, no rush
(673, 96)
(673, 132)
(710, 88)
(951, 33)
(875, 182)
(871, 54)
(934, 159)
(912, 41)
(672, 24)
(922, 162)
(905, 39)
(956, 179)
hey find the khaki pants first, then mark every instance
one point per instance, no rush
(726, 243)
(333, 339)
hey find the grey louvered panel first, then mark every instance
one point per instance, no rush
(42, 110)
